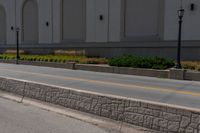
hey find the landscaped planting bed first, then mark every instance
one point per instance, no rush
(56, 58)
(120, 61)
(192, 65)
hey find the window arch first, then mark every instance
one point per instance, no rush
(73, 20)
(2, 25)
(30, 22)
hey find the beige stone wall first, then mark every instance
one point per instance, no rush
(191, 20)
(119, 20)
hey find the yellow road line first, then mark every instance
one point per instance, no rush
(132, 86)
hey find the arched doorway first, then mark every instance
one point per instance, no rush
(73, 20)
(30, 22)
(2, 25)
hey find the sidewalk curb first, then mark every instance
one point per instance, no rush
(152, 115)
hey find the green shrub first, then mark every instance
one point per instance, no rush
(141, 62)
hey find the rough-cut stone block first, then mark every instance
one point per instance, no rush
(94, 68)
(149, 112)
(157, 107)
(172, 117)
(194, 125)
(195, 131)
(183, 112)
(131, 109)
(157, 113)
(141, 72)
(133, 118)
(144, 105)
(177, 74)
(156, 123)
(115, 115)
(135, 103)
(148, 121)
(173, 126)
(105, 113)
(13, 86)
(185, 122)
(163, 123)
(36, 91)
(2, 83)
(171, 110)
(195, 118)
(181, 130)
(192, 75)
(189, 130)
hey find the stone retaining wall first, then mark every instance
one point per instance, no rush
(191, 75)
(156, 116)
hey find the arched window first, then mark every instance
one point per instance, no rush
(73, 20)
(30, 22)
(2, 25)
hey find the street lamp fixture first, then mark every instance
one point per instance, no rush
(181, 12)
(17, 47)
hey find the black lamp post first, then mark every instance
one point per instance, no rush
(180, 16)
(17, 47)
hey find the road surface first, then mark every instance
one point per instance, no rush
(184, 93)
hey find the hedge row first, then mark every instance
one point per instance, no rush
(141, 62)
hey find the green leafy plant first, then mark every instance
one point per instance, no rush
(141, 62)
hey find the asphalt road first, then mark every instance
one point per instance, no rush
(18, 118)
(184, 93)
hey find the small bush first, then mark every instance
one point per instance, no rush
(141, 62)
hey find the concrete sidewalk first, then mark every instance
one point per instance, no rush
(18, 118)
(32, 116)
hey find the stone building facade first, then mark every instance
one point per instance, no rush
(101, 27)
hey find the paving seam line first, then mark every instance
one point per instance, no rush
(152, 115)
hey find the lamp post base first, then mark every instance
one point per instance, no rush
(17, 60)
(178, 66)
